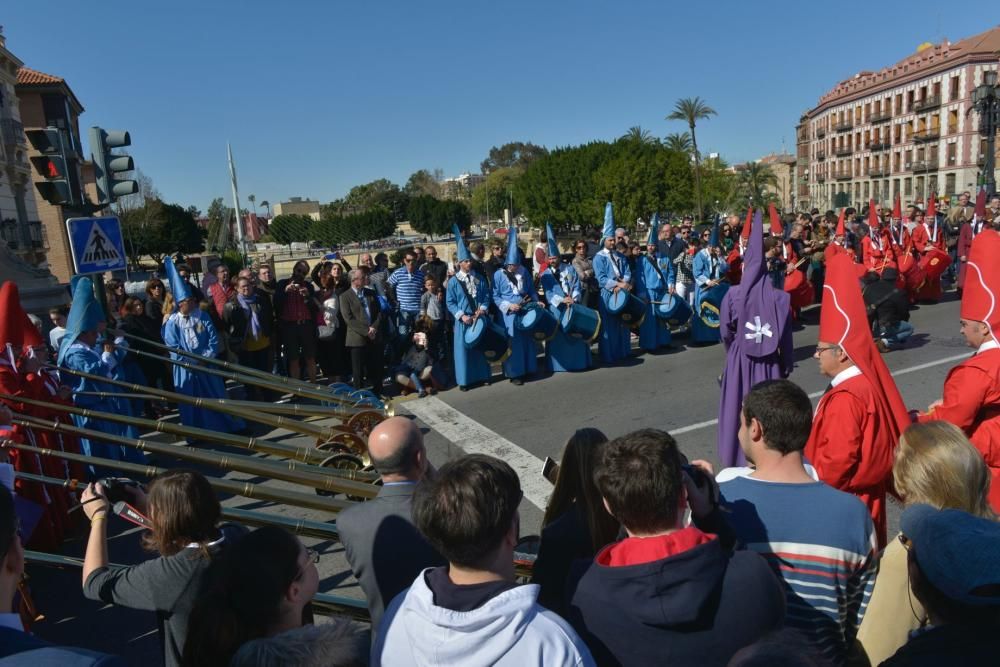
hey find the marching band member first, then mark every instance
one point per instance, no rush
(655, 279)
(971, 396)
(562, 287)
(512, 290)
(928, 240)
(468, 298)
(612, 273)
(709, 269)
(898, 232)
(190, 329)
(859, 419)
(877, 246)
(758, 338)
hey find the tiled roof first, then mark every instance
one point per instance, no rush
(27, 76)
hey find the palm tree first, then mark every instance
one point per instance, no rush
(691, 110)
(678, 141)
(754, 182)
(266, 204)
(253, 202)
(638, 135)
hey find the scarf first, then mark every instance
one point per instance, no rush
(470, 285)
(246, 303)
(189, 325)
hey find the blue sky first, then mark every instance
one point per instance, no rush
(319, 95)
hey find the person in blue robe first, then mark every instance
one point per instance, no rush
(710, 268)
(191, 330)
(654, 282)
(513, 289)
(612, 274)
(80, 351)
(467, 297)
(562, 287)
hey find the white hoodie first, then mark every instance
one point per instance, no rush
(510, 629)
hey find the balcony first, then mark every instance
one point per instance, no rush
(925, 165)
(879, 146)
(821, 155)
(843, 175)
(820, 132)
(879, 117)
(841, 151)
(821, 178)
(844, 125)
(879, 172)
(930, 134)
(929, 102)
(12, 132)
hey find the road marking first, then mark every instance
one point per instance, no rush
(816, 394)
(474, 438)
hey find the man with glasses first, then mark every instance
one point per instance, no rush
(859, 419)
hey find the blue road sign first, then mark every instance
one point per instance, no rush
(97, 244)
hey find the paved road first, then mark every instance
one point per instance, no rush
(676, 391)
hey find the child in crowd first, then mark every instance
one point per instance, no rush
(432, 313)
(416, 367)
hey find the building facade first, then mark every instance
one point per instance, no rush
(461, 186)
(298, 206)
(20, 227)
(905, 129)
(782, 165)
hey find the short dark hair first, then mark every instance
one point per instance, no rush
(639, 475)
(784, 411)
(467, 508)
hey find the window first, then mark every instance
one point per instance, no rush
(953, 121)
(895, 187)
(907, 187)
(937, 90)
(868, 111)
(909, 101)
(955, 93)
(899, 104)
(952, 153)
(949, 183)
(866, 191)
(932, 183)
(919, 192)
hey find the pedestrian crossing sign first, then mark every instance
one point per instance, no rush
(96, 244)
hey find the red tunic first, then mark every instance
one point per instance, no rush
(878, 258)
(971, 401)
(922, 242)
(851, 448)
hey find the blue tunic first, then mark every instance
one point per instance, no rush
(196, 334)
(652, 285)
(470, 365)
(80, 357)
(523, 359)
(564, 353)
(705, 269)
(615, 342)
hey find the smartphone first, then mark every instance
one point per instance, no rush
(550, 469)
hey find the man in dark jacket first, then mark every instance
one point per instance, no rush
(888, 310)
(360, 309)
(434, 266)
(667, 594)
(295, 309)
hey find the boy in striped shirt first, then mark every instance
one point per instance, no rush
(820, 541)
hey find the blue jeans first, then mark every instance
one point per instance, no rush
(897, 335)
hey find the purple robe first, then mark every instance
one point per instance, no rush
(758, 338)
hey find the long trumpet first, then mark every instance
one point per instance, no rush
(245, 489)
(308, 455)
(317, 529)
(334, 604)
(289, 471)
(363, 420)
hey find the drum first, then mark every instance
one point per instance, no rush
(799, 289)
(628, 307)
(581, 322)
(710, 304)
(934, 263)
(486, 336)
(535, 319)
(674, 310)
(735, 261)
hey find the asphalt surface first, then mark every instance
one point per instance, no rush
(676, 391)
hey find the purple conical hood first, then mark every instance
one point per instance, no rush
(760, 317)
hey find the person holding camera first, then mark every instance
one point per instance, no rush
(184, 529)
(295, 306)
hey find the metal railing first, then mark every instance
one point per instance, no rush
(12, 132)
(877, 172)
(879, 116)
(925, 165)
(841, 151)
(929, 102)
(879, 146)
(929, 134)
(843, 175)
(821, 155)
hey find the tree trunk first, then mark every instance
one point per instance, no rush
(697, 173)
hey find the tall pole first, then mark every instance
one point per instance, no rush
(240, 236)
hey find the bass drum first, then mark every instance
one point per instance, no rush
(628, 307)
(934, 263)
(800, 290)
(581, 323)
(536, 320)
(674, 310)
(486, 336)
(710, 305)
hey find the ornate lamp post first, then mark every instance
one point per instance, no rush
(986, 102)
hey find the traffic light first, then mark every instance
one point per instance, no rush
(108, 167)
(52, 165)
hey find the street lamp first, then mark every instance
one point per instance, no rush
(986, 102)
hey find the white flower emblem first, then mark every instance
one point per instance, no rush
(757, 330)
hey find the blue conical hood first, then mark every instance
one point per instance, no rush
(178, 286)
(460, 249)
(512, 255)
(84, 315)
(609, 223)
(654, 230)
(713, 240)
(553, 244)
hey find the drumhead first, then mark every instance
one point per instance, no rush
(528, 319)
(617, 301)
(475, 331)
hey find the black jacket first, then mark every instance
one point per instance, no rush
(887, 305)
(237, 322)
(565, 540)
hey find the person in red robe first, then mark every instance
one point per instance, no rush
(797, 286)
(968, 233)
(839, 244)
(929, 243)
(971, 396)
(877, 247)
(735, 257)
(859, 419)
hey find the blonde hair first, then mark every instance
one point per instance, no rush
(168, 305)
(936, 464)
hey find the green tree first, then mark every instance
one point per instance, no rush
(691, 110)
(717, 185)
(290, 228)
(219, 216)
(435, 217)
(422, 182)
(513, 154)
(678, 141)
(496, 187)
(752, 184)
(637, 135)
(381, 192)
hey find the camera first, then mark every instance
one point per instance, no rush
(116, 488)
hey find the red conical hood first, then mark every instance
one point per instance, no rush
(931, 213)
(745, 234)
(873, 220)
(12, 320)
(982, 281)
(841, 228)
(897, 209)
(777, 229)
(980, 212)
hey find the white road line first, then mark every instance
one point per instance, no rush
(474, 438)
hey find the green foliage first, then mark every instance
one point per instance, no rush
(513, 154)
(233, 260)
(218, 214)
(638, 135)
(381, 192)
(290, 228)
(423, 182)
(375, 223)
(753, 182)
(560, 187)
(496, 187)
(679, 141)
(157, 229)
(435, 217)
(643, 178)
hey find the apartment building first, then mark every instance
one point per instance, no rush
(906, 129)
(298, 206)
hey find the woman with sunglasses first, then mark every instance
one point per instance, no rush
(585, 269)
